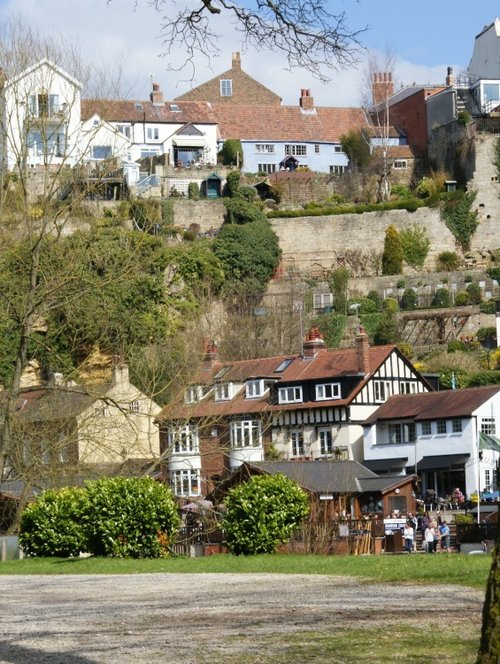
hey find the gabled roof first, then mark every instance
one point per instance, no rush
(434, 405)
(46, 404)
(325, 365)
(127, 110)
(45, 62)
(287, 123)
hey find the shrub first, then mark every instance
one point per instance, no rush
(387, 330)
(263, 513)
(248, 192)
(448, 261)
(475, 293)
(441, 298)
(232, 185)
(459, 217)
(130, 517)
(486, 334)
(374, 296)
(483, 378)
(241, 211)
(332, 328)
(366, 305)
(167, 211)
(231, 153)
(194, 191)
(494, 273)
(406, 349)
(488, 307)
(392, 257)
(390, 305)
(338, 284)
(457, 345)
(409, 300)
(52, 525)
(462, 299)
(415, 244)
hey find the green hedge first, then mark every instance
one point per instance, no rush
(411, 205)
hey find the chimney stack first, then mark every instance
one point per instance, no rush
(314, 343)
(156, 95)
(363, 351)
(210, 353)
(306, 102)
(450, 78)
(120, 375)
(382, 87)
(236, 61)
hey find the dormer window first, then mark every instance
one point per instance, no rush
(194, 393)
(326, 391)
(226, 87)
(255, 388)
(223, 391)
(290, 394)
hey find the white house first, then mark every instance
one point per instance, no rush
(40, 116)
(438, 436)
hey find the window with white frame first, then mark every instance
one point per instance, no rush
(266, 168)
(316, 149)
(264, 148)
(408, 387)
(185, 482)
(487, 480)
(254, 388)
(43, 105)
(226, 87)
(337, 148)
(153, 134)
(325, 442)
(149, 152)
(245, 433)
(296, 150)
(488, 426)
(297, 442)
(381, 390)
(337, 170)
(327, 391)
(402, 432)
(322, 300)
(134, 406)
(223, 391)
(124, 129)
(183, 440)
(426, 428)
(400, 164)
(290, 394)
(194, 393)
(441, 427)
(456, 426)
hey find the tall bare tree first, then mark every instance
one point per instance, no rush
(306, 32)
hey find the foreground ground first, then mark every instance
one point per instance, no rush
(234, 619)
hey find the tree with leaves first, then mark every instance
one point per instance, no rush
(392, 257)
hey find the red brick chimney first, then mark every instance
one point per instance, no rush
(314, 343)
(156, 95)
(306, 102)
(210, 353)
(236, 61)
(382, 87)
(363, 351)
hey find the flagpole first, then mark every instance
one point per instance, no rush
(478, 439)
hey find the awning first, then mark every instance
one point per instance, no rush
(385, 464)
(189, 141)
(442, 462)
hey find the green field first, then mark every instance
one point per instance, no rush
(447, 568)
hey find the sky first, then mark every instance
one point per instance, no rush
(425, 38)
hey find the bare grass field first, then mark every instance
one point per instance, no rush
(234, 619)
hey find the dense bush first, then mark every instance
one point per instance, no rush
(475, 293)
(338, 283)
(248, 192)
(409, 299)
(462, 299)
(494, 273)
(486, 334)
(129, 517)
(441, 298)
(263, 513)
(52, 525)
(448, 261)
(483, 378)
(392, 257)
(366, 305)
(232, 186)
(194, 191)
(459, 217)
(488, 307)
(241, 211)
(332, 328)
(231, 153)
(410, 205)
(415, 244)
(456, 345)
(390, 305)
(387, 329)
(374, 296)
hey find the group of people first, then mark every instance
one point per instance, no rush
(432, 534)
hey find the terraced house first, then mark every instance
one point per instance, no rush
(297, 407)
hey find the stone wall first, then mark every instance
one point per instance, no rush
(209, 215)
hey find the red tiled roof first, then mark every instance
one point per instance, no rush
(287, 123)
(126, 110)
(434, 405)
(326, 364)
(398, 151)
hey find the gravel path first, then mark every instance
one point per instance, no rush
(181, 618)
